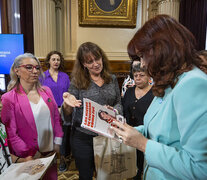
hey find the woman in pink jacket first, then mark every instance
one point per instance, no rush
(30, 113)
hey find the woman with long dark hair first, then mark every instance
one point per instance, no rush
(91, 78)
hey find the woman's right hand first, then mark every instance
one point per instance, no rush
(19, 160)
(70, 100)
(130, 84)
(130, 135)
(28, 158)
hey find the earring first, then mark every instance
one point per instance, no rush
(150, 81)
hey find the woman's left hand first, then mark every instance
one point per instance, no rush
(130, 135)
(70, 100)
(109, 107)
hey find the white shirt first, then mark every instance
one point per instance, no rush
(43, 123)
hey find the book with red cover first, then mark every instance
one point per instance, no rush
(98, 118)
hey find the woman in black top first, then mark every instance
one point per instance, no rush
(91, 79)
(135, 104)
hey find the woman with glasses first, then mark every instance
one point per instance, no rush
(30, 113)
(91, 79)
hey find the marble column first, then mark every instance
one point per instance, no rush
(153, 8)
(70, 23)
(145, 11)
(170, 7)
(59, 25)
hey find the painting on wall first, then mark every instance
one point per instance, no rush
(108, 13)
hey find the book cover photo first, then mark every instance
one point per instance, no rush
(98, 118)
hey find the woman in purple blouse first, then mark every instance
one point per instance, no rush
(59, 83)
(55, 79)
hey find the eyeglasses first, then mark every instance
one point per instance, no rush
(30, 67)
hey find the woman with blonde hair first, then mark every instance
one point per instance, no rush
(30, 113)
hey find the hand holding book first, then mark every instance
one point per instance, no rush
(130, 135)
(99, 119)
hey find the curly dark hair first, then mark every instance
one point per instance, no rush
(169, 49)
(47, 59)
(133, 59)
(80, 75)
(138, 68)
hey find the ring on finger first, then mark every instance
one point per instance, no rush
(120, 139)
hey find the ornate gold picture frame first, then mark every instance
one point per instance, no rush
(108, 13)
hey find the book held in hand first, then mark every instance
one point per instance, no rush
(30, 170)
(98, 118)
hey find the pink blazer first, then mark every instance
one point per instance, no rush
(20, 125)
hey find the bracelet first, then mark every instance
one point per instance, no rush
(17, 160)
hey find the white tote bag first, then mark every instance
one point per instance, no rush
(113, 160)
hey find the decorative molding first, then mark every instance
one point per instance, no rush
(123, 56)
(153, 8)
(170, 7)
(117, 66)
(123, 16)
(166, 1)
(58, 4)
(95, 10)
